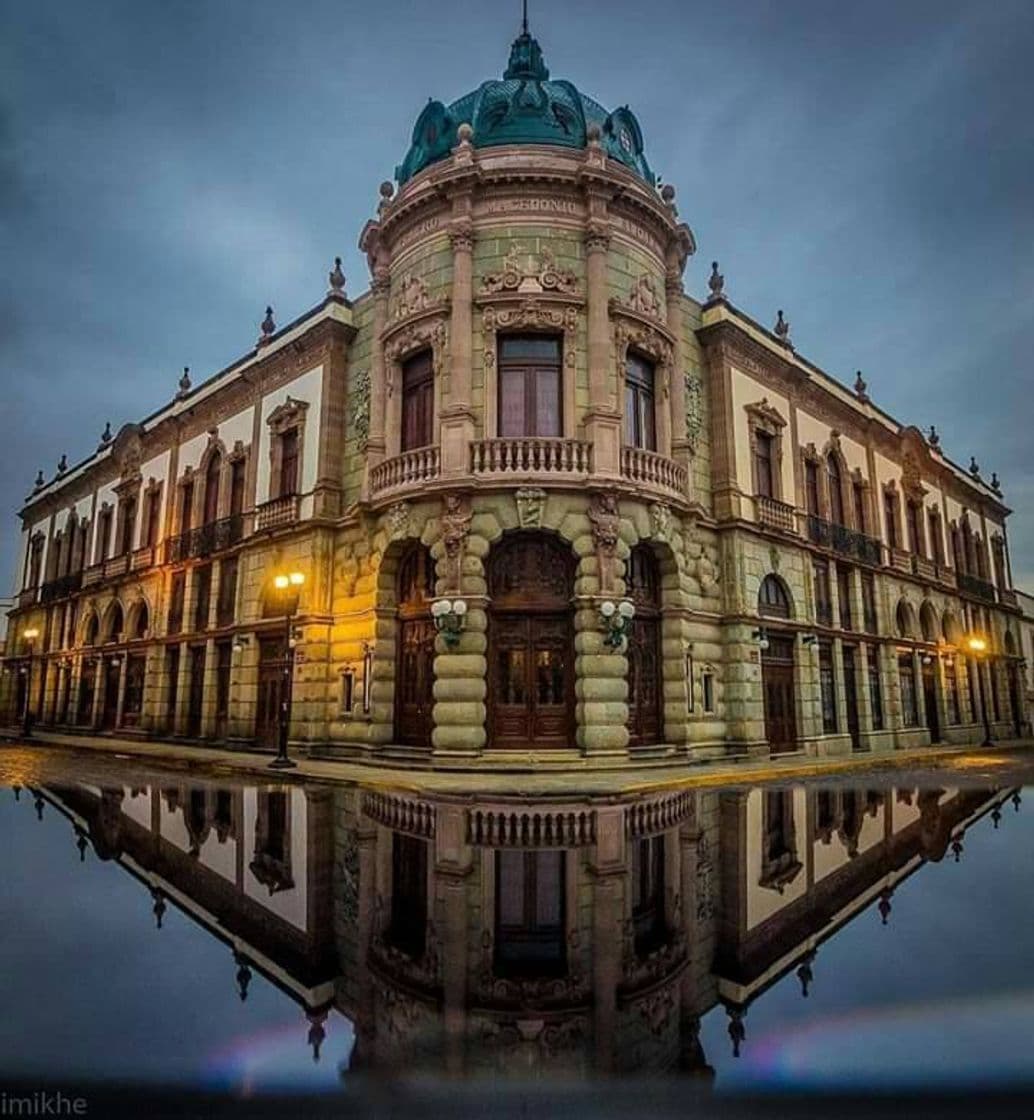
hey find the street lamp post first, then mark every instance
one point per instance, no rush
(30, 637)
(978, 647)
(289, 585)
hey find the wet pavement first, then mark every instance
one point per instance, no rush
(181, 931)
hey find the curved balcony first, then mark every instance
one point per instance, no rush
(530, 457)
(648, 469)
(411, 468)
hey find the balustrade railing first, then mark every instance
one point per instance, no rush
(901, 560)
(530, 455)
(93, 574)
(116, 565)
(844, 541)
(977, 587)
(651, 469)
(28, 596)
(61, 588)
(421, 464)
(925, 569)
(774, 514)
(143, 558)
(205, 539)
(277, 513)
(1008, 596)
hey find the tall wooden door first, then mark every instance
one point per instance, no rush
(418, 402)
(645, 678)
(531, 643)
(270, 691)
(109, 713)
(778, 687)
(851, 696)
(414, 669)
(933, 719)
(196, 697)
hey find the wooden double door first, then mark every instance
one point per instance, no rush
(531, 643)
(777, 679)
(271, 691)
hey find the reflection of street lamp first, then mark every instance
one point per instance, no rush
(30, 637)
(285, 583)
(977, 646)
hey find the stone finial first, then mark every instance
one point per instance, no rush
(465, 133)
(593, 133)
(668, 197)
(268, 327)
(782, 329)
(996, 486)
(184, 383)
(336, 279)
(62, 464)
(934, 439)
(38, 485)
(716, 282)
(861, 386)
(106, 434)
(387, 190)
(974, 466)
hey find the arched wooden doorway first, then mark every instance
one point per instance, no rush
(777, 668)
(531, 643)
(414, 669)
(645, 679)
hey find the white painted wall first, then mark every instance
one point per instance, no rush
(308, 387)
(746, 391)
(763, 902)
(291, 905)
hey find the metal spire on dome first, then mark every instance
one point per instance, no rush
(526, 62)
(524, 19)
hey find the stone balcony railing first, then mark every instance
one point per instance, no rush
(277, 513)
(28, 596)
(844, 541)
(530, 457)
(976, 587)
(1008, 597)
(411, 468)
(143, 558)
(901, 560)
(647, 468)
(774, 514)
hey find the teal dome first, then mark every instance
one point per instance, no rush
(525, 107)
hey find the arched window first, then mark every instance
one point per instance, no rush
(531, 642)
(141, 621)
(418, 401)
(114, 622)
(91, 630)
(904, 620)
(773, 600)
(928, 622)
(414, 669)
(639, 404)
(645, 677)
(212, 475)
(836, 493)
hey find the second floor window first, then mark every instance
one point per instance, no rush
(177, 594)
(212, 474)
(936, 540)
(915, 529)
(869, 602)
(998, 550)
(823, 598)
(418, 401)
(154, 508)
(811, 487)
(103, 534)
(236, 487)
(529, 386)
(836, 494)
(844, 595)
(890, 515)
(288, 463)
(860, 520)
(639, 407)
(128, 525)
(186, 507)
(763, 461)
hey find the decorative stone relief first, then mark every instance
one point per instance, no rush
(524, 273)
(660, 520)
(412, 297)
(643, 298)
(361, 408)
(530, 313)
(648, 339)
(704, 880)
(694, 407)
(416, 336)
(531, 503)
(398, 520)
(456, 519)
(656, 1011)
(604, 516)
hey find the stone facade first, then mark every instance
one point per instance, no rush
(147, 568)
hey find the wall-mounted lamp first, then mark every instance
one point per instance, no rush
(760, 637)
(927, 659)
(616, 619)
(809, 639)
(241, 643)
(449, 617)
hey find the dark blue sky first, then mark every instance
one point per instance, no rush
(168, 169)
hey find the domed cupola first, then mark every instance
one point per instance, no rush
(525, 107)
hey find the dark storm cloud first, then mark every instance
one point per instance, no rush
(167, 169)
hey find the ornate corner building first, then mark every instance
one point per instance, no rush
(549, 508)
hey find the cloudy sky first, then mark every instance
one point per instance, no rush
(166, 169)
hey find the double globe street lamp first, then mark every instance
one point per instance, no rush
(29, 636)
(289, 585)
(977, 646)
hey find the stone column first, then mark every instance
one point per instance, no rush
(179, 717)
(208, 706)
(375, 444)
(457, 419)
(603, 418)
(98, 692)
(920, 692)
(123, 666)
(681, 451)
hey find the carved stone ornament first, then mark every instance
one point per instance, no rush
(531, 503)
(398, 520)
(694, 407)
(911, 478)
(412, 297)
(650, 339)
(530, 314)
(660, 520)
(423, 334)
(456, 518)
(605, 520)
(527, 274)
(127, 450)
(643, 298)
(287, 415)
(359, 412)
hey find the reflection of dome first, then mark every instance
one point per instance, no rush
(524, 108)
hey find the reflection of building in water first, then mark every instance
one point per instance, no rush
(515, 936)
